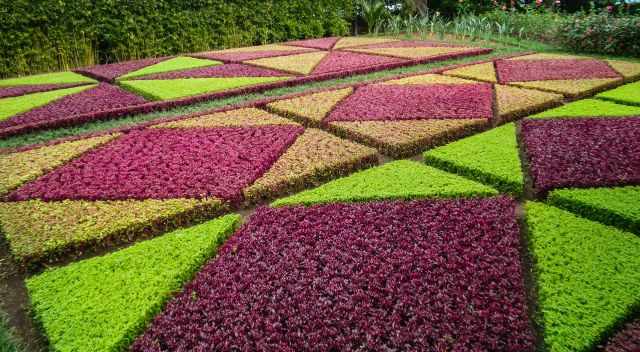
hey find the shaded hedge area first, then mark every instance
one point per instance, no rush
(41, 35)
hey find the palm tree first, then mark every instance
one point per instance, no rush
(374, 13)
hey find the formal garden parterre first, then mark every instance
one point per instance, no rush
(514, 229)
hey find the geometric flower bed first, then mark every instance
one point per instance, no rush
(627, 94)
(587, 275)
(572, 76)
(293, 279)
(582, 152)
(589, 108)
(401, 117)
(103, 303)
(490, 157)
(41, 83)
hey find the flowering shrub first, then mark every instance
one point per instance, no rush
(101, 304)
(491, 157)
(402, 179)
(394, 102)
(351, 277)
(589, 108)
(627, 94)
(587, 276)
(618, 206)
(38, 232)
(229, 70)
(582, 152)
(110, 72)
(628, 340)
(315, 156)
(168, 163)
(99, 98)
(542, 70)
(319, 43)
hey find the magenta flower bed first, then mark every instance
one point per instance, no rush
(410, 102)
(383, 276)
(109, 72)
(22, 90)
(228, 70)
(171, 163)
(409, 44)
(582, 153)
(242, 56)
(542, 70)
(320, 43)
(103, 97)
(628, 340)
(343, 61)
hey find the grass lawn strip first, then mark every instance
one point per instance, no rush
(19, 168)
(179, 88)
(627, 94)
(589, 108)
(344, 276)
(402, 179)
(39, 231)
(174, 64)
(619, 206)
(315, 156)
(13, 106)
(490, 157)
(103, 303)
(587, 274)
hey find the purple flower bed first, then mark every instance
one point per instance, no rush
(628, 340)
(382, 276)
(15, 91)
(542, 70)
(320, 43)
(345, 61)
(411, 102)
(228, 70)
(167, 163)
(582, 153)
(409, 44)
(243, 56)
(103, 97)
(109, 72)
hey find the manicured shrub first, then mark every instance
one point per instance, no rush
(627, 94)
(351, 277)
(39, 231)
(619, 206)
(491, 157)
(582, 152)
(409, 102)
(400, 179)
(174, 64)
(101, 304)
(74, 102)
(21, 167)
(627, 340)
(179, 88)
(589, 108)
(227, 71)
(314, 157)
(10, 107)
(168, 163)
(587, 276)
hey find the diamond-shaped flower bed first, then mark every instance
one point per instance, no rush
(582, 153)
(401, 117)
(12, 87)
(389, 275)
(416, 50)
(572, 76)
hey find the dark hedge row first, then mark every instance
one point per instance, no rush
(46, 35)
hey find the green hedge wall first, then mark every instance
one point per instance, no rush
(46, 35)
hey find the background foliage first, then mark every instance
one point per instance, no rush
(47, 35)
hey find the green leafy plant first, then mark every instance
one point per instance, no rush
(374, 13)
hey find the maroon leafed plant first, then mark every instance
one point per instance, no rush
(382, 276)
(542, 70)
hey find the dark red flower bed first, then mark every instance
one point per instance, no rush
(382, 276)
(228, 70)
(410, 102)
(103, 97)
(582, 153)
(109, 72)
(628, 340)
(251, 55)
(343, 61)
(542, 70)
(171, 163)
(320, 43)
(15, 91)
